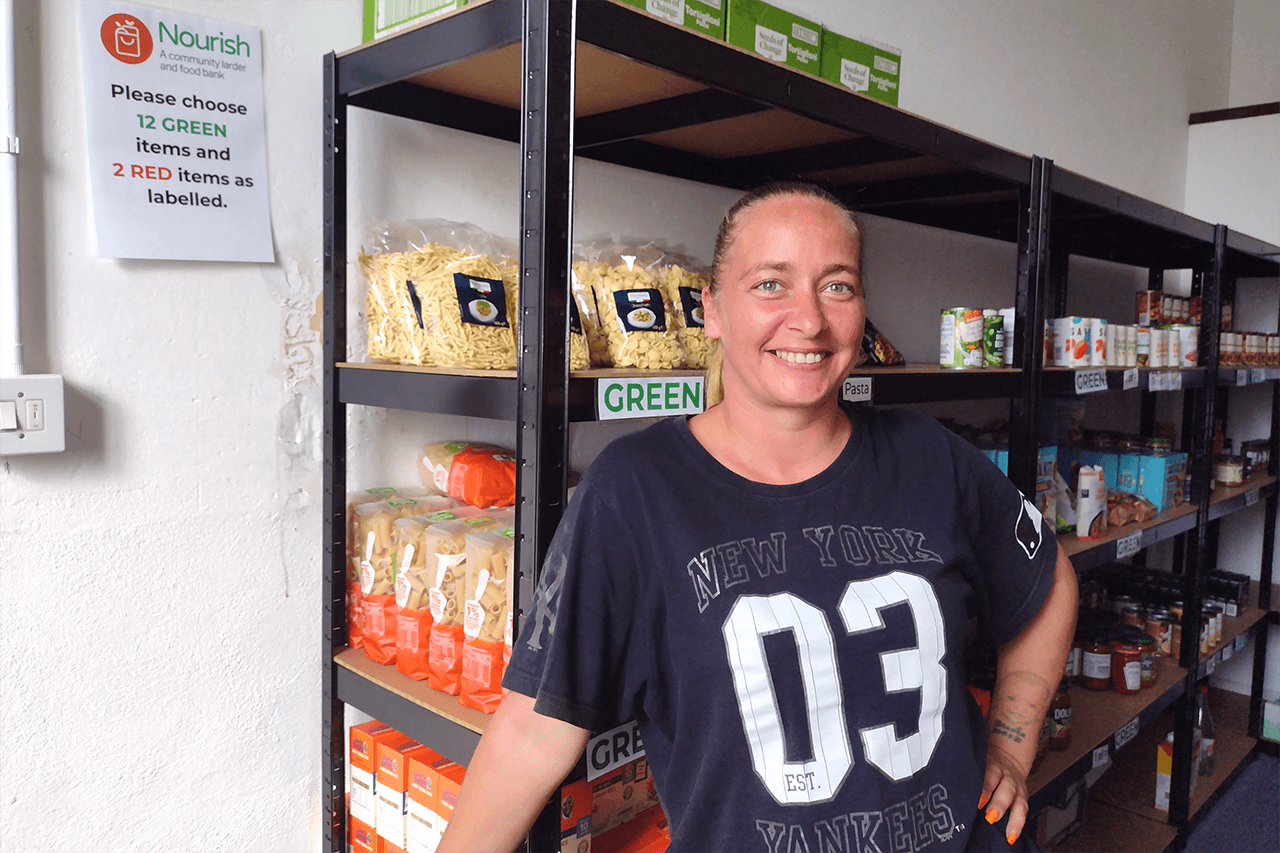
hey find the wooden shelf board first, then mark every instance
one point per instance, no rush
(1108, 829)
(1096, 715)
(1072, 544)
(417, 692)
(1225, 493)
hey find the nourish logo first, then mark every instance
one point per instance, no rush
(126, 38)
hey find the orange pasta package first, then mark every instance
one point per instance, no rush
(485, 623)
(413, 582)
(355, 602)
(375, 533)
(445, 547)
(477, 474)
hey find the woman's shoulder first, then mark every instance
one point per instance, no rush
(630, 456)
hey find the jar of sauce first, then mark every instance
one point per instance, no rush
(1126, 666)
(1147, 644)
(1095, 664)
(1160, 626)
(1071, 673)
(1131, 614)
(1060, 715)
(1120, 602)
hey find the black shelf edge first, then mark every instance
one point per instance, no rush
(1054, 791)
(444, 736)
(1232, 376)
(1061, 382)
(1239, 502)
(441, 393)
(1092, 558)
(889, 388)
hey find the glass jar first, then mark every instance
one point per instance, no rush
(1120, 602)
(1126, 666)
(1071, 673)
(1095, 664)
(1147, 644)
(1160, 626)
(1132, 615)
(1159, 446)
(1060, 716)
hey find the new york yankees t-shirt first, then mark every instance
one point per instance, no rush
(793, 654)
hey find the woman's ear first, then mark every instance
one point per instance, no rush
(710, 318)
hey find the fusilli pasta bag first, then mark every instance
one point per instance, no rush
(684, 287)
(635, 315)
(445, 547)
(486, 617)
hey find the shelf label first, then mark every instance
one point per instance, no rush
(613, 749)
(1155, 382)
(1211, 664)
(1130, 378)
(648, 398)
(1227, 651)
(1101, 755)
(1241, 641)
(1089, 381)
(1127, 546)
(1170, 380)
(1251, 497)
(1242, 377)
(1126, 733)
(857, 389)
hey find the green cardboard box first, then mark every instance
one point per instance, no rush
(384, 17)
(774, 33)
(869, 68)
(703, 16)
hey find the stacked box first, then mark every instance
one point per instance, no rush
(703, 16)
(775, 34)
(361, 836)
(363, 759)
(393, 787)
(421, 832)
(384, 17)
(1160, 479)
(866, 67)
(451, 776)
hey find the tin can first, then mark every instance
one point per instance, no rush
(1142, 347)
(1131, 346)
(961, 339)
(1071, 342)
(1009, 317)
(1148, 303)
(1255, 346)
(1195, 311)
(1173, 357)
(1188, 344)
(1159, 348)
(1114, 345)
(1168, 310)
(992, 338)
(1091, 503)
(1097, 342)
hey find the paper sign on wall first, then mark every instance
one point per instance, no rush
(177, 151)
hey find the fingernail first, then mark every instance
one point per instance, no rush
(1011, 837)
(992, 815)
(982, 801)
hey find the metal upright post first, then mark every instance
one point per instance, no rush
(1028, 343)
(546, 219)
(335, 456)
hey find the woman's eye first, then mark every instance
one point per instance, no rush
(843, 288)
(770, 286)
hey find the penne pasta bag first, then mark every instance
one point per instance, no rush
(413, 607)
(375, 534)
(486, 620)
(445, 547)
(354, 600)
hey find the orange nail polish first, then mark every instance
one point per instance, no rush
(982, 801)
(1012, 837)
(992, 815)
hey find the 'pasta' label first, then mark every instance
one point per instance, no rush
(691, 304)
(482, 301)
(640, 310)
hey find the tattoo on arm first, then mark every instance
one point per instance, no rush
(1013, 733)
(1022, 697)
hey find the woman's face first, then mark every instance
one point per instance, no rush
(789, 308)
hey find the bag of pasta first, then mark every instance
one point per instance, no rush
(486, 620)
(586, 306)
(634, 314)
(375, 532)
(355, 615)
(683, 281)
(445, 550)
(441, 294)
(477, 474)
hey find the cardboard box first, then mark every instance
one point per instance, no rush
(1128, 469)
(1046, 464)
(421, 834)
(361, 836)
(866, 67)
(451, 776)
(363, 761)
(384, 17)
(703, 16)
(1160, 479)
(575, 817)
(393, 786)
(620, 795)
(774, 33)
(647, 832)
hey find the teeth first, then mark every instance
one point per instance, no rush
(800, 357)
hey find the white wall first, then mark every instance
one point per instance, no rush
(1255, 59)
(188, 498)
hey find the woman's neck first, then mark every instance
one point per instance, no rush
(778, 448)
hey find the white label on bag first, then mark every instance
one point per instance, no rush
(1130, 379)
(857, 389)
(1089, 381)
(1127, 546)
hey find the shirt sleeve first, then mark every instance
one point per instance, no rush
(577, 653)
(1015, 550)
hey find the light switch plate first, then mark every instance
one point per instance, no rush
(45, 390)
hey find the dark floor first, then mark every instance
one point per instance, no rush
(1247, 817)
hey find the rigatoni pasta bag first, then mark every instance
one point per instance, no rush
(354, 600)
(445, 545)
(375, 533)
(486, 618)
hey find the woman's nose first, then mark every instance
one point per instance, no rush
(806, 314)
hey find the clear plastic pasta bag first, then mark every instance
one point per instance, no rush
(683, 280)
(633, 315)
(441, 294)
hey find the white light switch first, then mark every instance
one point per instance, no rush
(8, 414)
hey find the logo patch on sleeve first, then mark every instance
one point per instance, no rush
(1028, 531)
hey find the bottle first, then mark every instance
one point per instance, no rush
(1060, 717)
(1204, 722)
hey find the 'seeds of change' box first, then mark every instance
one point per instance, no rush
(866, 67)
(774, 34)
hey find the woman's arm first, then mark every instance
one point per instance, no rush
(521, 759)
(1028, 671)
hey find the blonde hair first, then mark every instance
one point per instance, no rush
(724, 240)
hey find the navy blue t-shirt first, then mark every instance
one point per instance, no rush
(793, 654)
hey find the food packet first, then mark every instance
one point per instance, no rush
(579, 351)
(375, 531)
(477, 474)
(1126, 507)
(683, 283)
(587, 308)
(445, 549)
(354, 611)
(486, 621)
(441, 294)
(877, 348)
(634, 314)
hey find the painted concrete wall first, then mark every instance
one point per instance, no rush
(186, 508)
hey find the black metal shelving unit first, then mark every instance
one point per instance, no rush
(546, 74)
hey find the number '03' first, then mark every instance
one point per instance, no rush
(819, 778)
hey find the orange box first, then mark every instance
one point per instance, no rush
(361, 836)
(385, 846)
(647, 832)
(393, 786)
(451, 776)
(421, 835)
(363, 758)
(575, 817)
